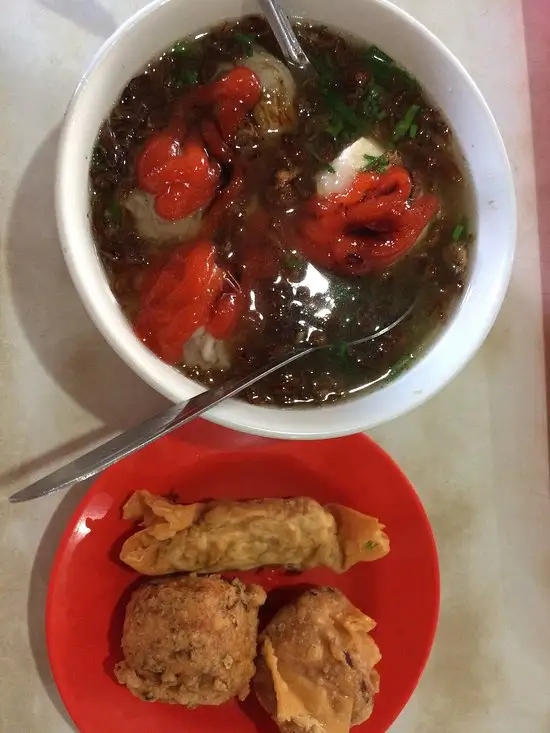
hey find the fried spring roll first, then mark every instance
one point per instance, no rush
(217, 536)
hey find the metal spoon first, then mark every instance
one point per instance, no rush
(174, 417)
(286, 38)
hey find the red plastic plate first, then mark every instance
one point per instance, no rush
(89, 586)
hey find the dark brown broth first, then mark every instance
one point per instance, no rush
(287, 308)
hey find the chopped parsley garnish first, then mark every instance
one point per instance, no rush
(246, 40)
(404, 125)
(370, 545)
(376, 163)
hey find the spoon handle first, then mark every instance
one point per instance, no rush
(132, 440)
(283, 32)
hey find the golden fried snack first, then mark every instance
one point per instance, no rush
(240, 535)
(315, 672)
(190, 641)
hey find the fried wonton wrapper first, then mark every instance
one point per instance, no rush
(241, 535)
(316, 668)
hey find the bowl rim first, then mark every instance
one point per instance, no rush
(236, 414)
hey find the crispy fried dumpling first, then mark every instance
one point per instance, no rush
(240, 535)
(315, 670)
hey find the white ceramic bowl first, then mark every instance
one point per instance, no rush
(154, 29)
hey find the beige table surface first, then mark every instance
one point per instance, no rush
(477, 452)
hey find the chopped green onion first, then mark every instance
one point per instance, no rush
(413, 130)
(325, 166)
(370, 545)
(246, 40)
(404, 124)
(187, 78)
(99, 154)
(344, 124)
(338, 105)
(458, 231)
(377, 163)
(335, 127)
(324, 68)
(113, 212)
(342, 352)
(291, 259)
(401, 365)
(190, 49)
(386, 71)
(349, 122)
(314, 154)
(370, 104)
(377, 53)
(244, 37)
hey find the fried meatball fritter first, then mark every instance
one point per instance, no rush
(190, 640)
(315, 669)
